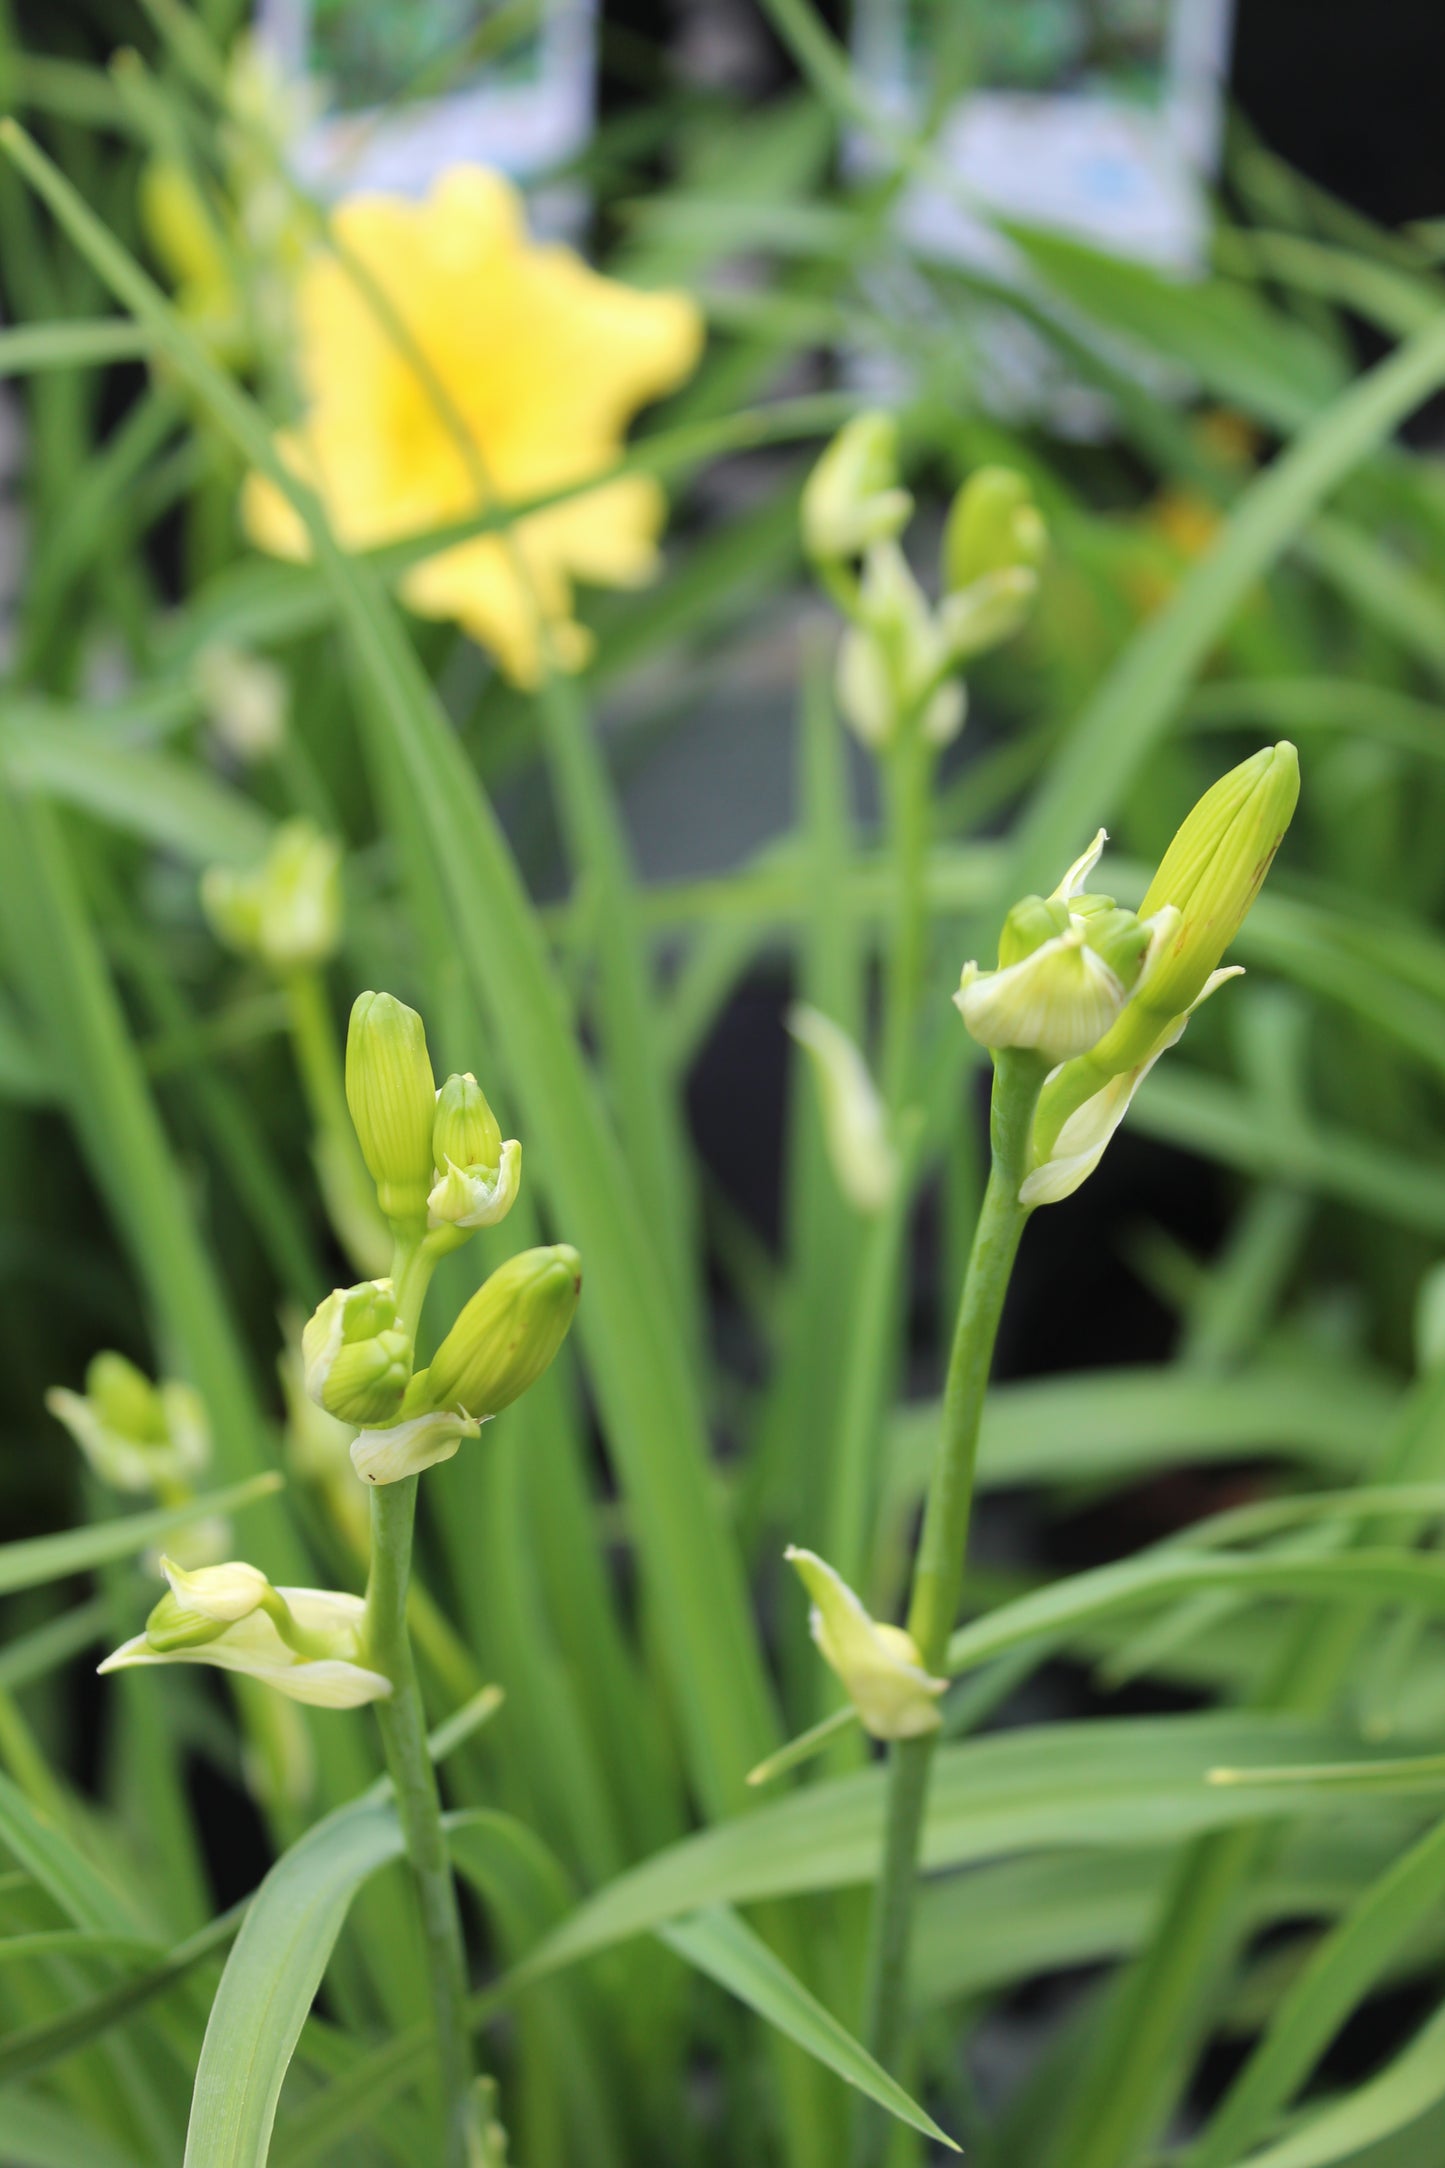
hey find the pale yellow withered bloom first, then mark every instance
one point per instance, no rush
(306, 1642)
(543, 363)
(879, 1665)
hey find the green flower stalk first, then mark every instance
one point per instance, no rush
(1085, 998)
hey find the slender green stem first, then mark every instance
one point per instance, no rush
(403, 1733)
(907, 774)
(939, 1567)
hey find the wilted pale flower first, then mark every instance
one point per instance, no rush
(879, 1665)
(306, 1642)
(286, 912)
(542, 363)
(478, 1174)
(137, 1436)
(855, 1126)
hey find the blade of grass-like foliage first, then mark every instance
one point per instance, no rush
(1130, 1782)
(45, 1648)
(1199, 1113)
(653, 1421)
(168, 802)
(29, 347)
(1306, 704)
(1237, 348)
(271, 1978)
(1402, 2092)
(1379, 1577)
(29, 1564)
(998, 1925)
(1094, 1425)
(40, 2132)
(1400, 1774)
(1106, 746)
(724, 1947)
(49, 1856)
(1338, 1976)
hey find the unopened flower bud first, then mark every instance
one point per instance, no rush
(465, 1131)
(852, 496)
(993, 526)
(392, 1096)
(356, 1358)
(286, 912)
(477, 1174)
(889, 664)
(986, 614)
(879, 1665)
(855, 1127)
(1215, 867)
(508, 1333)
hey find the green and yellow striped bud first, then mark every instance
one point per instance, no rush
(392, 1096)
(509, 1332)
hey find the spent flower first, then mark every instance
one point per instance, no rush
(285, 912)
(879, 1665)
(306, 1642)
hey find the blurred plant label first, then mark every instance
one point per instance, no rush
(1098, 119)
(405, 88)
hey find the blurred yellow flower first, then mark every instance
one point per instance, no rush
(543, 363)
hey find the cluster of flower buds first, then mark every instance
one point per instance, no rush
(438, 1158)
(286, 912)
(900, 657)
(357, 1361)
(1100, 993)
(143, 1437)
(879, 1665)
(306, 1642)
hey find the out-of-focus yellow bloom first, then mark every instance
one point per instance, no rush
(542, 363)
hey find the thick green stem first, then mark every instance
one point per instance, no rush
(939, 1567)
(403, 1733)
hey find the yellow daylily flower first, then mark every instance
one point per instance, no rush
(542, 361)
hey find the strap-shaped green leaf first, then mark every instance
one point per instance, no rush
(77, 1550)
(271, 1979)
(723, 1946)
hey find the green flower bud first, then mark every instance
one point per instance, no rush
(993, 526)
(1215, 867)
(852, 497)
(286, 912)
(465, 1132)
(1032, 921)
(855, 1122)
(356, 1358)
(477, 1174)
(392, 1096)
(508, 1333)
